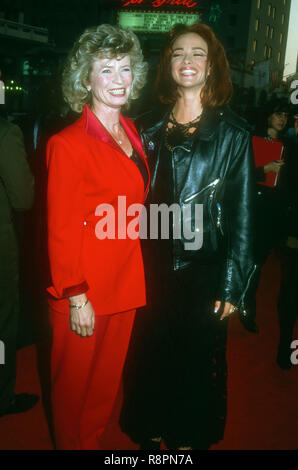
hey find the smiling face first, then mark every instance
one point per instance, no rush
(278, 121)
(189, 65)
(110, 81)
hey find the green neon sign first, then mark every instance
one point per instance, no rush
(151, 22)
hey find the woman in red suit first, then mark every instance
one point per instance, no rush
(96, 269)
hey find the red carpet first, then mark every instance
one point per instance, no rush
(262, 399)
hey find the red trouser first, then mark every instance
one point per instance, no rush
(86, 374)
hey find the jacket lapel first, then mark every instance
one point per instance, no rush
(133, 136)
(136, 143)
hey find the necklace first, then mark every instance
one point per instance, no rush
(178, 132)
(187, 125)
(117, 139)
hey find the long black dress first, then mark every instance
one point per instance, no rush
(175, 373)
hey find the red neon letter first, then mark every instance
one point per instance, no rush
(132, 2)
(187, 3)
(192, 5)
(158, 3)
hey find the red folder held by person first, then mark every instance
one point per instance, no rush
(266, 151)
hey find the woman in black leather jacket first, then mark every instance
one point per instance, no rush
(199, 153)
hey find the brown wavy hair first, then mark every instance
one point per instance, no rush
(218, 88)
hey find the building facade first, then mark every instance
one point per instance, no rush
(254, 33)
(37, 35)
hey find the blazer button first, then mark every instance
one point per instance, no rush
(85, 223)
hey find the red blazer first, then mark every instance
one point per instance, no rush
(87, 168)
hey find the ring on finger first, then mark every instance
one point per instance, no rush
(232, 310)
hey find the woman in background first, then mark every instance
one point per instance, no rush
(270, 201)
(97, 279)
(287, 305)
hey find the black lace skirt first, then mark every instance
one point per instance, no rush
(175, 373)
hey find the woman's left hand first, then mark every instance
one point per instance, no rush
(228, 308)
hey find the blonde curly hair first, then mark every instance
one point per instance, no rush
(104, 41)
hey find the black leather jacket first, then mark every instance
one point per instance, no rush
(213, 167)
